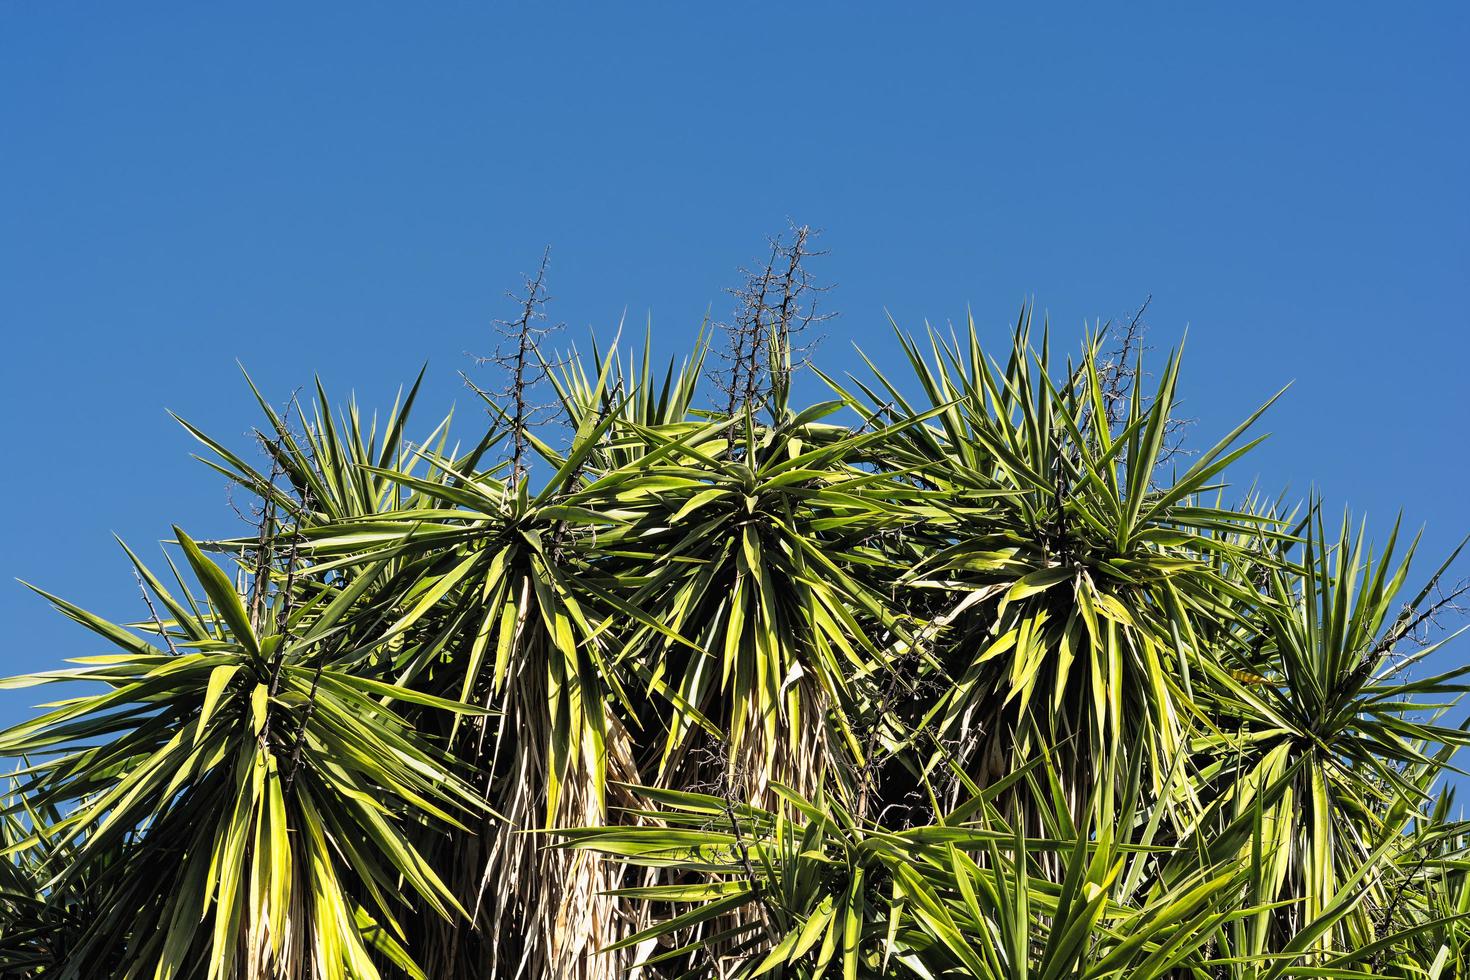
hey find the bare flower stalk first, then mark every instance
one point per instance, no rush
(775, 307)
(518, 358)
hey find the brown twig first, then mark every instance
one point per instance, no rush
(158, 623)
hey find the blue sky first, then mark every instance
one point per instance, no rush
(349, 189)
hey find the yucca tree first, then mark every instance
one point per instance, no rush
(760, 563)
(964, 897)
(513, 584)
(44, 925)
(961, 671)
(244, 806)
(1327, 745)
(1067, 566)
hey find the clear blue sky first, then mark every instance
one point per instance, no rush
(348, 189)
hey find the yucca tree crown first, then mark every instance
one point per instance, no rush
(969, 672)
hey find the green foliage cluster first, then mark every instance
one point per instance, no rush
(958, 673)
